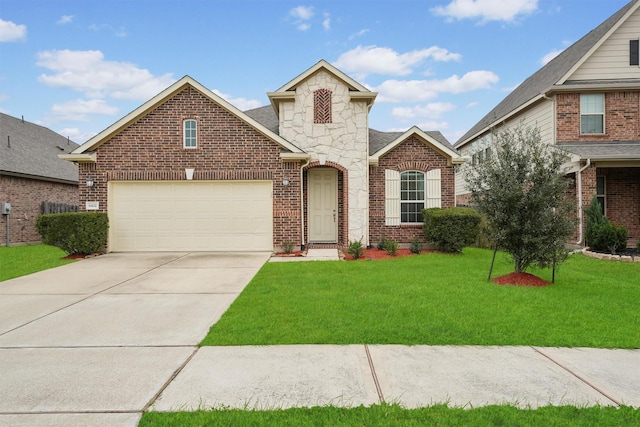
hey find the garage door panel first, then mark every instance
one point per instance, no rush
(190, 216)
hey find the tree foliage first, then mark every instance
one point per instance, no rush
(522, 191)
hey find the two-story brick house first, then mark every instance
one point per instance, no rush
(585, 101)
(189, 171)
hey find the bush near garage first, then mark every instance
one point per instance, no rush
(451, 229)
(76, 233)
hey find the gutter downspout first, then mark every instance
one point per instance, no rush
(579, 188)
(304, 165)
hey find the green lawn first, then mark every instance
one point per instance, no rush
(393, 415)
(18, 261)
(435, 299)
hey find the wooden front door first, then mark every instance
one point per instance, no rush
(323, 205)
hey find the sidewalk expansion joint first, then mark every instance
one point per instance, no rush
(373, 374)
(171, 378)
(584, 380)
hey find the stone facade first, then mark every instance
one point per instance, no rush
(26, 197)
(343, 142)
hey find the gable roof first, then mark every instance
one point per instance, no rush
(84, 152)
(555, 72)
(31, 151)
(287, 92)
(435, 139)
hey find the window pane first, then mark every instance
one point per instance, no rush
(592, 103)
(591, 124)
(411, 212)
(600, 186)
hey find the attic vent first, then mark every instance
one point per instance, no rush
(322, 106)
(59, 148)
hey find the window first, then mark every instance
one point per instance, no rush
(592, 113)
(412, 199)
(634, 57)
(601, 193)
(322, 106)
(190, 138)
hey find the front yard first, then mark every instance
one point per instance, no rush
(18, 261)
(435, 299)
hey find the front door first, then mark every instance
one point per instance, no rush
(323, 205)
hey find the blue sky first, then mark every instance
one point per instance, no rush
(78, 66)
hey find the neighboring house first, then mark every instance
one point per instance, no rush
(586, 101)
(189, 171)
(31, 173)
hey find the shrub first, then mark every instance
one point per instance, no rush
(451, 229)
(608, 237)
(595, 219)
(415, 245)
(382, 243)
(391, 246)
(355, 249)
(287, 246)
(75, 233)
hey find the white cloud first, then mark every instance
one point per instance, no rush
(326, 24)
(88, 72)
(383, 60)
(65, 19)
(76, 135)
(11, 32)
(422, 90)
(301, 16)
(487, 10)
(242, 104)
(118, 32)
(430, 111)
(549, 56)
(81, 109)
(359, 33)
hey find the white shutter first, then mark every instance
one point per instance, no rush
(434, 194)
(392, 197)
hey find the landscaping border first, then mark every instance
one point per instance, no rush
(610, 257)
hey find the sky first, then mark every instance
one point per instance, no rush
(78, 66)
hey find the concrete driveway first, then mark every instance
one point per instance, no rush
(94, 342)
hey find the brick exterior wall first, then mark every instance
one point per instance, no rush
(26, 196)
(621, 119)
(623, 197)
(412, 154)
(622, 123)
(227, 149)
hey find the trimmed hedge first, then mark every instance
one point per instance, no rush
(451, 229)
(608, 237)
(81, 233)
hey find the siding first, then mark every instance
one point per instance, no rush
(611, 59)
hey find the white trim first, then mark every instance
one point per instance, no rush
(184, 134)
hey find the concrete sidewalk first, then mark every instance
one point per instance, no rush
(270, 377)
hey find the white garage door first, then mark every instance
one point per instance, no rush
(190, 216)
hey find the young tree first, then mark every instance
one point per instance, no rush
(522, 191)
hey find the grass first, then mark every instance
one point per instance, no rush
(435, 299)
(394, 415)
(16, 261)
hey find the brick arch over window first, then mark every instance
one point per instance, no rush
(413, 165)
(343, 199)
(322, 106)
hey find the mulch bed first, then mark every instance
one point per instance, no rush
(375, 253)
(290, 254)
(521, 279)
